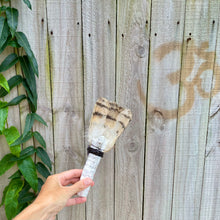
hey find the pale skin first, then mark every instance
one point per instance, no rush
(55, 194)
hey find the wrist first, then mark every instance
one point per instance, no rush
(35, 211)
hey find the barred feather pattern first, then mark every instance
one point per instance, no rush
(107, 123)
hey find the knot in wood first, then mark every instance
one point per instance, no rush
(157, 120)
(141, 51)
(132, 147)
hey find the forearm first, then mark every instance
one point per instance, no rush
(35, 211)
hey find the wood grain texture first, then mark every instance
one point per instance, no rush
(195, 87)
(211, 182)
(65, 48)
(165, 59)
(91, 48)
(132, 63)
(99, 40)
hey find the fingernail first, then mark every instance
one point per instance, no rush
(87, 182)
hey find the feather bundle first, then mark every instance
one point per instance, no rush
(107, 123)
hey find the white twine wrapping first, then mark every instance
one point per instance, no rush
(89, 170)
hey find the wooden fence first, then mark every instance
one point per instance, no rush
(161, 59)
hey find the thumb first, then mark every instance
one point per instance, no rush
(80, 185)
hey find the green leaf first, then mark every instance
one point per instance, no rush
(12, 134)
(11, 197)
(3, 197)
(12, 82)
(12, 19)
(22, 40)
(27, 197)
(14, 43)
(22, 139)
(28, 123)
(25, 189)
(21, 207)
(30, 82)
(30, 97)
(40, 184)
(28, 169)
(42, 154)
(5, 44)
(6, 163)
(8, 62)
(4, 31)
(3, 115)
(42, 170)
(17, 174)
(40, 139)
(2, 9)
(28, 151)
(4, 83)
(38, 118)
(16, 100)
(27, 2)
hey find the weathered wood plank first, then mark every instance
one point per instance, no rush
(167, 23)
(67, 89)
(196, 80)
(99, 27)
(132, 63)
(210, 195)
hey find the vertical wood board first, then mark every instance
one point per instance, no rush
(99, 26)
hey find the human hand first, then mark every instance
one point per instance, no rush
(56, 193)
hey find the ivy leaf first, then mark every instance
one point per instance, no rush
(12, 134)
(40, 139)
(42, 170)
(17, 174)
(30, 97)
(4, 31)
(9, 61)
(12, 19)
(21, 207)
(27, 197)
(5, 44)
(14, 43)
(4, 83)
(25, 189)
(3, 197)
(12, 82)
(6, 163)
(39, 118)
(22, 139)
(42, 154)
(26, 152)
(11, 197)
(3, 115)
(27, 2)
(28, 169)
(16, 100)
(22, 40)
(40, 184)
(3, 9)
(30, 82)
(28, 123)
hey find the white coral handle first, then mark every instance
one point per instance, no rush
(89, 170)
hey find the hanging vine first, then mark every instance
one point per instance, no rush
(25, 183)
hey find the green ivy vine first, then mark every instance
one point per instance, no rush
(25, 183)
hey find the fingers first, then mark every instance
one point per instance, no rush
(70, 181)
(75, 201)
(69, 175)
(80, 185)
